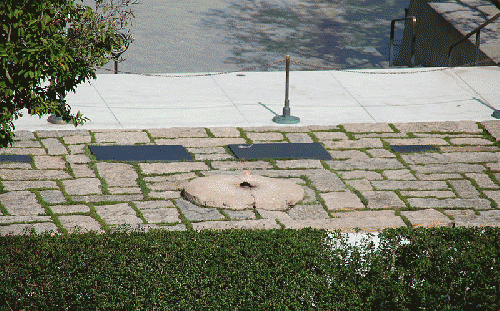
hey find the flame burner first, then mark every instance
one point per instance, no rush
(243, 192)
(246, 185)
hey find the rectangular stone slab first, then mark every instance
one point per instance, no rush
(281, 151)
(14, 158)
(412, 148)
(141, 153)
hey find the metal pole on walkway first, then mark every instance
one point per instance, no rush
(286, 118)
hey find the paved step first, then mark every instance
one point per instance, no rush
(365, 186)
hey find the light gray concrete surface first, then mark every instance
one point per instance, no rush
(249, 99)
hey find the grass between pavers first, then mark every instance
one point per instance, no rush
(408, 269)
(145, 190)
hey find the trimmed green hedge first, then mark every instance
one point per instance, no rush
(439, 269)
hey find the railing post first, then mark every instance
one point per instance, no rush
(413, 39)
(286, 118)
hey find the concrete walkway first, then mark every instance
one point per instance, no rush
(365, 186)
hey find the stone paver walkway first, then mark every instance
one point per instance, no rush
(366, 186)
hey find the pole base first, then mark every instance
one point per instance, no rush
(56, 120)
(496, 114)
(286, 119)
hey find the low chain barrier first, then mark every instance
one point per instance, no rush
(309, 65)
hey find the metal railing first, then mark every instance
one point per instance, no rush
(476, 31)
(413, 38)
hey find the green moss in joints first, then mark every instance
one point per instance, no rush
(348, 134)
(404, 199)
(244, 135)
(280, 223)
(394, 128)
(49, 212)
(209, 133)
(63, 191)
(140, 180)
(104, 184)
(93, 214)
(313, 137)
(151, 138)
(138, 212)
(4, 210)
(405, 220)
(183, 219)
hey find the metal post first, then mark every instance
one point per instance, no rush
(286, 118)
(116, 66)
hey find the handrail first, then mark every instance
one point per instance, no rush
(414, 23)
(476, 31)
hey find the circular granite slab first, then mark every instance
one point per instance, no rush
(243, 192)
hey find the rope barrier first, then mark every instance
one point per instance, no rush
(307, 64)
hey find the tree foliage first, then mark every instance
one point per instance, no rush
(47, 48)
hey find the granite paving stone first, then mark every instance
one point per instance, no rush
(449, 203)
(341, 200)
(21, 203)
(409, 185)
(165, 194)
(77, 159)
(448, 168)
(24, 185)
(423, 194)
(15, 165)
(200, 142)
(437, 176)
(73, 223)
(196, 213)
(81, 186)
(262, 224)
(117, 174)
(493, 166)
(492, 127)
(380, 135)
(174, 167)
(176, 132)
(494, 195)
(348, 154)
(26, 144)
(207, 150)
(69, 209)
(470, 157)
(82, 170)
(307, 212)
(122, 190)
(416, 141)
(25, 229)
(467, 148)
(464, 188)
(168, 185)
(52, 196)
(25, 218)
(383, 199)
(427, 218)
(482, 180)
(326, 182)
(8, 174)
(153, 204)
(302, 163)
(381, 153)
(330, 135)
(365, 164)
(360, 184)
(354, 144)
(470, 141)
(399, 174)
(159, 215)
(77, 139)
(238, 215)
(240, 165)
(101, 198)
(32, 151)
(367, 127)
(446, 126)
(319, 128)
(24, 135)
(173, 177)
(309, 195)
(213, 156)
(116, 214)
(467, 218)
(299, 138)
(265, 136)
(49, 162)
(76, 149)
(358, 174)
(54, 146)
(225, 131)
(61, 133)
(122, 138)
